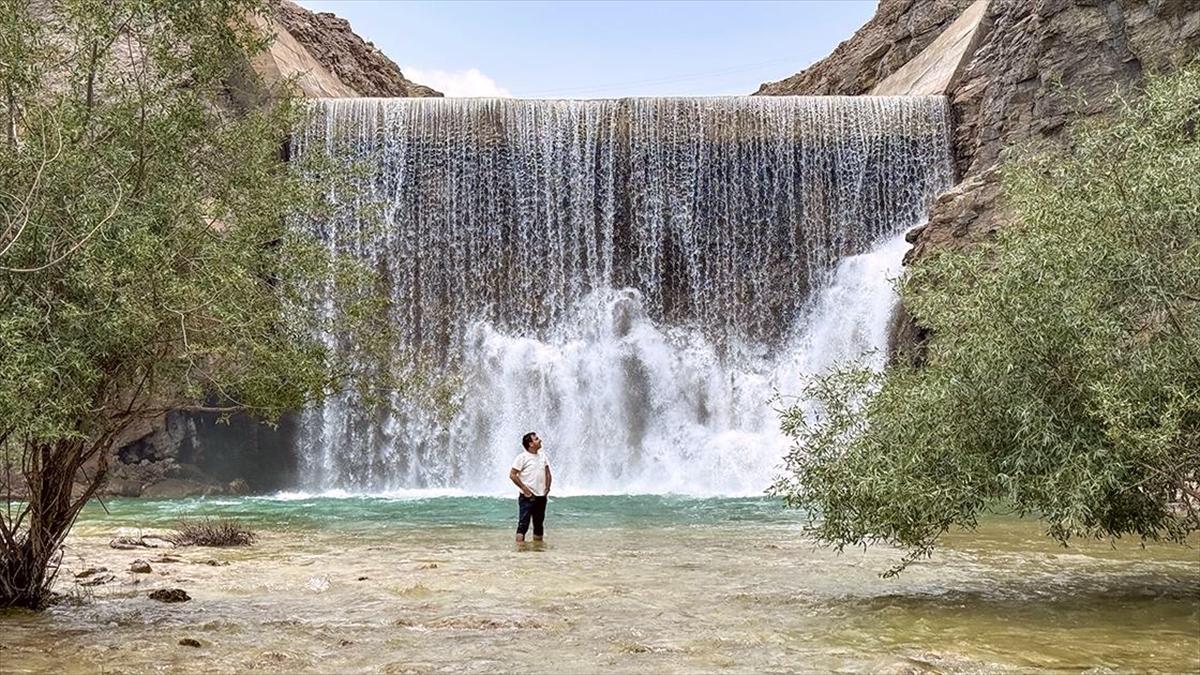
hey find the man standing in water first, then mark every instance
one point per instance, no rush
(531, 472)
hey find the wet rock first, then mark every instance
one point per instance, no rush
(473, 622)
(189, 642)
(170, 595)
(237, 486)
(217, 563)
(345, 643)
(428, 566)
(132, 543)
(140, 567)
(91, 571)
(164, 558)
(123, 487)
(98, 580)
(363, 578)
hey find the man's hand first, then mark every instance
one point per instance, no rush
(527, 492)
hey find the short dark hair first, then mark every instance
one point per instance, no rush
(527, 439)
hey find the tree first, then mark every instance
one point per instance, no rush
(1062, 379)
(146, 257)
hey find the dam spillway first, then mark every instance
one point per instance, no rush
(632, 278)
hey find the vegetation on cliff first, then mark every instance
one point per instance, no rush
(145, 259)
(1062, 379)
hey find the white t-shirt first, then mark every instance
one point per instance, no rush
(532, 467)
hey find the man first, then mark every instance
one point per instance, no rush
(531, 473)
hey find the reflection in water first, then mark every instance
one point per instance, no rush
(628, 584)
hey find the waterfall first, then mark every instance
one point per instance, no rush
(630, 278)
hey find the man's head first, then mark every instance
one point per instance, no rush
(531, 442)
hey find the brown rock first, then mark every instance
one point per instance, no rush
(237, 486)
(170, 595)
(123, 487)
(356, 63)
(91, 571)
(898, 32)
(189, 642)
(98, 580)
(140, 567)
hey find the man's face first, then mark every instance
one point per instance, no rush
(535, 444)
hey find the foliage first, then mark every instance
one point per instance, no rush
(145, 258)
(212, 532)
(1062, 379)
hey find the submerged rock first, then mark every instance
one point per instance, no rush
(98, 579)
(91, 571)
(170, 595)
(189, 642)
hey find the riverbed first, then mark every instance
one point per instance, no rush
(640, 584)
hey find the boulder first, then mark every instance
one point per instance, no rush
(140, 567)
(99, 579)
(170, 595)
(90, 571)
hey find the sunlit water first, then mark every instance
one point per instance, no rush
(642, 584)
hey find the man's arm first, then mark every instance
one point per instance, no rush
(515, 477)
(549, 479)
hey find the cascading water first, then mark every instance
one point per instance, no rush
(630, 278)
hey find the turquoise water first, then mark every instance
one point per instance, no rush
(373, 513)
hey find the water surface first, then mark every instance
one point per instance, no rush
(634, 584)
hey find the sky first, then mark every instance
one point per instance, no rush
(600, 49)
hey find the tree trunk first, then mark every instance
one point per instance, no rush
(32, 540)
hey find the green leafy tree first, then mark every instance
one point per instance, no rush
(1062, 379)
(146, 261)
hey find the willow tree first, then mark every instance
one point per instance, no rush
(146, 262)
(1062, 380)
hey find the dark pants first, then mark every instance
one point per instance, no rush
(531, 508)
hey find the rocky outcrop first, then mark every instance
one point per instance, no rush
(1038, 68)
(898, 32)
(356, 67)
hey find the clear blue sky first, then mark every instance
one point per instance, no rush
(601, 49)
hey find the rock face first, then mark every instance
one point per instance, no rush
(898, 32)
(357, 66)
(1038, 67)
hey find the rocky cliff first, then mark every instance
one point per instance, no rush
(1037, 67)
(358, 68)
(898, 32)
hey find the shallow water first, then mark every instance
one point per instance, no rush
(624, 584)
